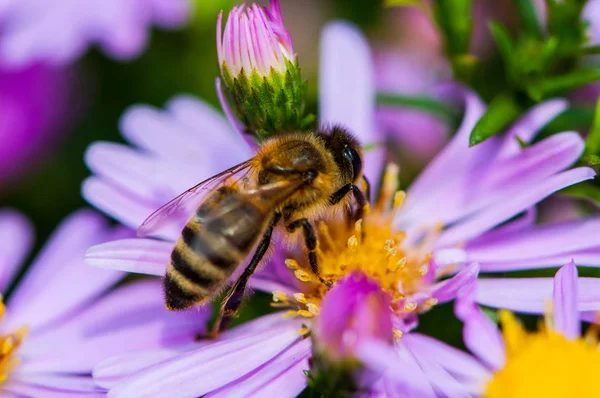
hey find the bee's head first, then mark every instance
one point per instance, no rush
(347, 153)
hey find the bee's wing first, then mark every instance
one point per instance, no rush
(186, 201)
(267, 198)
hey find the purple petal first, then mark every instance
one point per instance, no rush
(448, 289)
(58, 280)
(455, 361)
(202, 371)
(281, 377)
(143, 256)
(480, 334)
(566, 315)
(532, 295)
(512, 206)
(539, 241)
(114, 370)
(589, 257)
(102, 330)
(399, 367)
(527, 127)
(454, 161)
(346, 64)
(81, 384)
(16, 235)
(441, 379)
(24, 389)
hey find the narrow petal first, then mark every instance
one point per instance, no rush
(455, 361)
(588, 258)
(480, 334)
(218, 365)
(346, 63)
(512, 206)
(539, 241)
(142, 256)
(400, 367)
(112, 371)
(24, 389)
(59, 281)
(532, 295)
(566, 316)
(448, 289)
(16, 235)
(527, 127)
(100, 332)
(59, 382)
(281, 377)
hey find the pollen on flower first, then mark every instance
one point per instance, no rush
(397, 334)
(279, 297)
(373, 247)
(544, 364)
(9, 344)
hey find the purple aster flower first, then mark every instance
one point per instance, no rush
(469, 206)
(32, 31)
(61, 319)
(555, 361)
(33, 106)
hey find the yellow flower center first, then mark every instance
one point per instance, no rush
(9, 344)
(545, 364)
(371, 246)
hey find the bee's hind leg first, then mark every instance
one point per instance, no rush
(234, 299)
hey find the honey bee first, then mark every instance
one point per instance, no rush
(295, 178)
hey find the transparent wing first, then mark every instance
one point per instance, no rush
(185, 203)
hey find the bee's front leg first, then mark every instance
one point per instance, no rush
(361, 201)
(310, 240)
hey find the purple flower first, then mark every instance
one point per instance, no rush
(470, 209)
(61, 319)
(32, 31)
(556, 361)
(33, 108)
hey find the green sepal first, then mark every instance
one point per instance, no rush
(502, 111)
(454, 18)
(556, 84)
(528, 18)
(332, 379)
(269, 105)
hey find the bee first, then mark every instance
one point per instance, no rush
(294, 179)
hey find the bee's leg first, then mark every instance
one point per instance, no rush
(236, 294)
(367, 188)
(358, 196)
(310, 240)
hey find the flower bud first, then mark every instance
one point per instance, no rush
(262, 82)
(354, 312)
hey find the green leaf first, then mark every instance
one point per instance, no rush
(503, 41)
(528, 17)
(591, 50)
(592, 142)
(502, 111)
(454, 18)
(421, 103)
(399, 3)
(556, 84)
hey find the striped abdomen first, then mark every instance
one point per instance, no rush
(212, 245)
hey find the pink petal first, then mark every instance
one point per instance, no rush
(480, 334)
(532, 295)
(143, 256)
(566, 315)
(512, 206)
(199, 372)
(58, 280)
(104, 330)
(16, 235)
(447, 290)
(281, 377)
(539, 241)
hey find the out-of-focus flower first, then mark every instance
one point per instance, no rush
(33, 31)
(60, 319)
(469, 206)
(355, 312)
(33, 108)
(556, 361)
(260, 72)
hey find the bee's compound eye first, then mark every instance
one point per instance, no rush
(354, 159)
